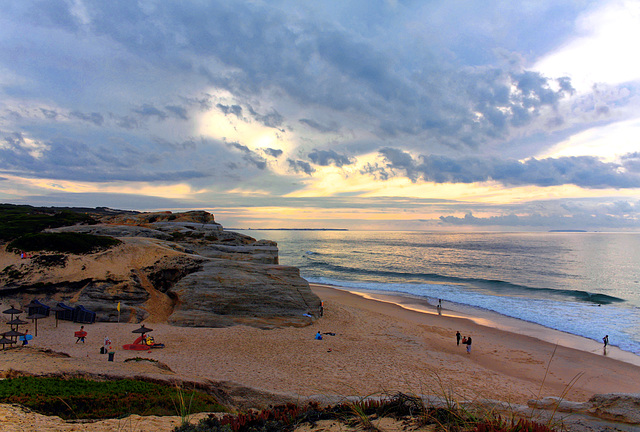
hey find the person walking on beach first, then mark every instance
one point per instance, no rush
(81, 334)
(605, 339)
(458, 338)
(25, 340)
(469, 345)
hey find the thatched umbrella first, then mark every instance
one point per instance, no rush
(35, 317)
(13, 334)
(56, 309)
(16, 322)
(5, 341)
(142, 330)
(12, 311)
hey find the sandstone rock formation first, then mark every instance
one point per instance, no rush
(617, 407)
(181, 268)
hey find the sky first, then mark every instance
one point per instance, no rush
(391, 115)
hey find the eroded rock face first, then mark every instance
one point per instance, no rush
(617, 407)
(184, 269)
(620, 407)
(208, 240)
(225, 293)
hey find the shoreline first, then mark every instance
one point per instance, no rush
(492, 319)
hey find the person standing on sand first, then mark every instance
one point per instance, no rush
(458, 338)
(24, 338)
(469, 345)
(605, 339)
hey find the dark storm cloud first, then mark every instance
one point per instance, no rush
(583, 171)
(329, 157)
(300, 166)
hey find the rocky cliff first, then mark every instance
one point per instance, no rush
(181, 268)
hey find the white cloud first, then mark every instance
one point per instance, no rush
(603, 51)
(606, 142)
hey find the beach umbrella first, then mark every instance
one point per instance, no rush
(12, 334)
(56, 309)
(142, 330)
(5, 341)
(35, 317)
(16, 322)
(12, 311)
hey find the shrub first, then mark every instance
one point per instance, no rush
(76, 243)
(16, 221)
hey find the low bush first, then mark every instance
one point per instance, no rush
(18, 220)
(76, 243)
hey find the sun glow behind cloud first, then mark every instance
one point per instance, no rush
(604, 51)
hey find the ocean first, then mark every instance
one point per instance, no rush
(585, 284)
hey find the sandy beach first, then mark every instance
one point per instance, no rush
(378, 347)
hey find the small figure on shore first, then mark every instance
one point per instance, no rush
(318, 336)
(439, 303)
(469, 345)
(321, 308)
(81, 334)
(24, 338)
(605, 339)
(458, 338)
(464, 340)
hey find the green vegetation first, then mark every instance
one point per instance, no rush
(18, 220)
(85, 399)
(75, 243)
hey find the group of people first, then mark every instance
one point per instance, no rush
(465, 341)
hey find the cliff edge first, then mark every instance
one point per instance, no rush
(181, 268)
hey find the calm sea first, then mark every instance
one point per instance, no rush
(586, 284)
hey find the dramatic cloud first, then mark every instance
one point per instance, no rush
(299, 166)
(227, 101)
(584, 171)
(276, 153)
(329, 157)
